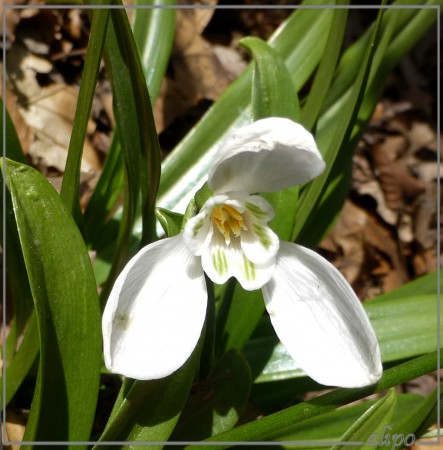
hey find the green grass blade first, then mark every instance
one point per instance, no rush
(330, 426)
(71, 179)
(66, 302)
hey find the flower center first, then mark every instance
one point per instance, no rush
(228, 221)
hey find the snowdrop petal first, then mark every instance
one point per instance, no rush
(221, 262)
(155, 313)
(320, 320)
(268, 155)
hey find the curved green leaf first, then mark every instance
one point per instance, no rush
(66, 302)
(147, 411)
(217, 401)
(272, 426)
(326, 70)
(330, 426)
(154, 30)
(138, 136)
(371, 423)
(300, 42)
(21, 362)
(71, 179)
(273, 93)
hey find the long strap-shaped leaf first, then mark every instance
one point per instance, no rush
(149, 410)
(271, 426)
(71, 179)
(66, 302)
(153, 35)
(337, 140)
(300, 42)
(137, 133)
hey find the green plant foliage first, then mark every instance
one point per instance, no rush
(217, 401)
(149, 410)
(66, 303)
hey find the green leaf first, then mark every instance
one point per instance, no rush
(136, 129)
(21, 362)
(134, 117)
(334, 147)
(66, 303)
(154, 30)
(171, 222)
(371, 423)
(153, 34)
(331, 426)
(149, 410)
(71, 179)
(217, 401)
(411, 421)
(300, 42)
(16, 280)
(103, 200)
(272, 426)
(273, 92)
(326, 70)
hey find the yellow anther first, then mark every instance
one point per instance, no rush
(228, 220)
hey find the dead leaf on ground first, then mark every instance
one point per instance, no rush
(15, 429)
(48, 110)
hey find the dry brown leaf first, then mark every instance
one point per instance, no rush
(48, 110)
(15, 429)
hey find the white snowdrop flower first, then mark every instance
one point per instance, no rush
(156, 310)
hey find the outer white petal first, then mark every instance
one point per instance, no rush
(320, 320)
(268, 155)
(155, 313)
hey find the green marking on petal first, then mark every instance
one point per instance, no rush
(256, 211)
(197, 227)
(263, 236)
(249, 269)
(219, 261)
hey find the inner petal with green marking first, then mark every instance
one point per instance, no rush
(232, 236)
